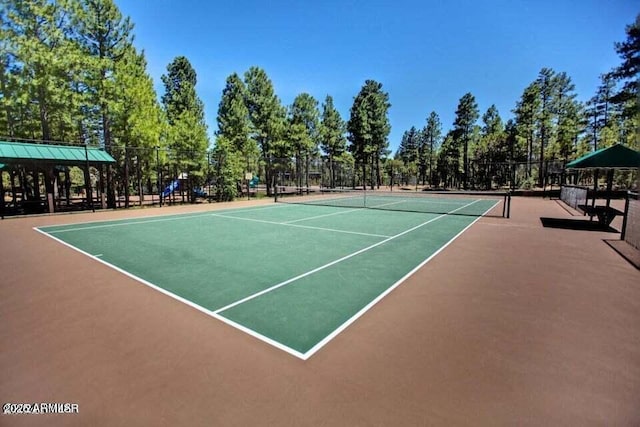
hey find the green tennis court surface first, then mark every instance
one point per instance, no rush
(291, 275)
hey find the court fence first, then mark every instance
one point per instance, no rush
(631, 223)
(157, 176)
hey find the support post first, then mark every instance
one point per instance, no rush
(2, 205)
(595, 189)
(625, 215)
(609, 186)
(126, 177)
(159, 178)
(87, 179)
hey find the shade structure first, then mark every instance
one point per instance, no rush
(19, 152)
(45, 159)
(610, 158)
(615, 157)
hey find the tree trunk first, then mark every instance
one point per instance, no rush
(307, 167)
(465, 166)
(111, 191)
(126, 177)
(139, 174)
(36, 184)
(44, 116)
(543, 132)
(332, 178)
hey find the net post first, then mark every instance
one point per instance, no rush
(508, 204)
(275, 190)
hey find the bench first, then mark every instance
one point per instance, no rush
(605, 214)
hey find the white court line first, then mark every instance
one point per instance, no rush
(339, 213)
(158, 218)
(286, 224)
(255, 334)
(321, 216)
(366, 308)
(181, 299)
(322, 267)
(388, 204)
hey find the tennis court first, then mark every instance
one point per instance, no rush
(293, 275)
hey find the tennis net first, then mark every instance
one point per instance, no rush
(472, 203)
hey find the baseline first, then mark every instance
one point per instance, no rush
(156, 218)
(179, 298)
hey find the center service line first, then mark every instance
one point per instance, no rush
(344, 258)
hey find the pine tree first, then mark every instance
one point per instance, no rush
(185, 114)
(627, 97)
(227, 165)
(568, 118)
(547, 83)
(408, 149)
(268, 117)
(599, 109)
(527, 111)
(516, 151)
(104, 35)
(369, 128)
(36, 65)
(448, 161)
(431, 135)
(491, 150)
(627, 72)
(138, 119)
(304, 133)
(233, 122)
(466, 116)
(332, 139)
(180, 90)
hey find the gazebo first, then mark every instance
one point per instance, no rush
(609, 159)
(29, 165)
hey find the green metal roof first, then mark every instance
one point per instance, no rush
(615, 157)
(17, 152)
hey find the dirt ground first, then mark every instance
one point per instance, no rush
(512, 324)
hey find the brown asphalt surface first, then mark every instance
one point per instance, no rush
(512, 324)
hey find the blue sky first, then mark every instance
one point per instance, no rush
(426, 54)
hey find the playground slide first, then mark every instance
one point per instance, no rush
(171, 188)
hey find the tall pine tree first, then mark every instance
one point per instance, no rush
(185, 113)
(431, 135)
(267, 116)
(332, 139)
(304, 133)
(466, 116)
(369, 128)
(104, 35)
(138, 120)
(233, 122)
